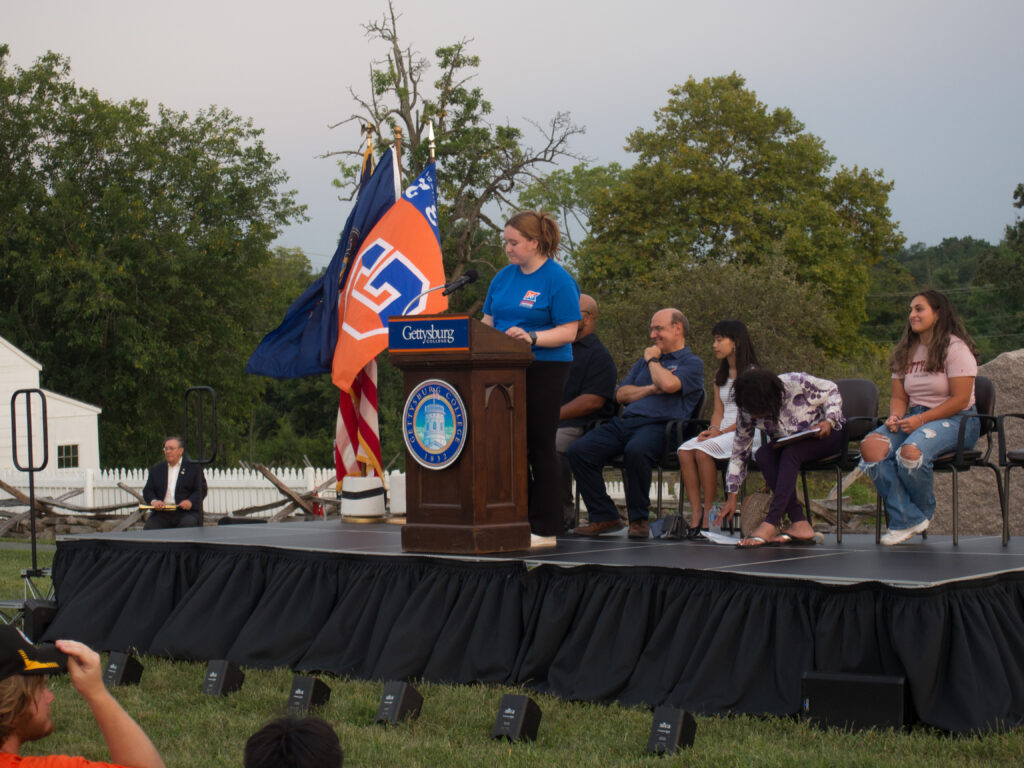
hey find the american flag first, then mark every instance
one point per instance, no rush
(357, 437)
(357, 433)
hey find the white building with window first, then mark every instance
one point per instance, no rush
(72, 426)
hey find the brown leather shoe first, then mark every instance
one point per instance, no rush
(639, 529)
(598, 528)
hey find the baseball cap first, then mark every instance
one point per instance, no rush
(20, 657)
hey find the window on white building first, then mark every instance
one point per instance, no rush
(67, 456)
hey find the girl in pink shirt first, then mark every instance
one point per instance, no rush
(933, 370)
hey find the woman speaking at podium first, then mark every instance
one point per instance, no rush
(535, 300)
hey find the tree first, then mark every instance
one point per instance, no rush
(999, 309)
(135, 252)
(570, 196)
(479, 164)
(891, 289)
(721, 179)
(781, 324)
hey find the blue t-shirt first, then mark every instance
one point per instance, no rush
(686, 367)
(536, 302)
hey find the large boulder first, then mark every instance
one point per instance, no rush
(979, 499)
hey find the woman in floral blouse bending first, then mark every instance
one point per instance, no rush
(782, 405)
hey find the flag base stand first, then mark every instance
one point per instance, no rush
(362, 499)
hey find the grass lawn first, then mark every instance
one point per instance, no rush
(194, 731)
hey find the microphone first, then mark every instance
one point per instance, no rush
(468, 277)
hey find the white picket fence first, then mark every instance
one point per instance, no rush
(231, 489)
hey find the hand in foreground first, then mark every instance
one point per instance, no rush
(708, 433)
(727, 510)
(912, 422)
(186, 505)
(518, 333)
(825, 429)
(84, 667)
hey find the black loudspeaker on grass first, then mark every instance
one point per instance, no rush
(307, 692)
(855, 702)
(671, 729)
(399, 702)
(222, 678)
(37, 617)
(518, 718)
(122, 669)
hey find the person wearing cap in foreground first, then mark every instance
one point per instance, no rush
(25, 702)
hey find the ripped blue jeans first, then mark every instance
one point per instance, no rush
(907, 486)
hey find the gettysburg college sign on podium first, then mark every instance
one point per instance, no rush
(464, 423)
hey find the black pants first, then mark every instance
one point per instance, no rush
(544, 384)
(176, 518)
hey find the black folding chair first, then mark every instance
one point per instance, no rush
(1008, 459)
(860, 407)
(963, 459)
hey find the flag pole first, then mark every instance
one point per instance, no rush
(430, 138)
(398, 149)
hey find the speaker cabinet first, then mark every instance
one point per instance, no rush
(400, 701)
(307, 692)
(122, 669)
(37, 617)
(856, 702)
(222, 678)
(518, 718)
(671, 729)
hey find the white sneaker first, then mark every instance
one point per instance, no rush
(538, 542)
(892, 536)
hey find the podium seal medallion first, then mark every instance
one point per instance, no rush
(434, 424)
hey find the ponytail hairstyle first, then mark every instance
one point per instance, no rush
(539, 226)
(746, 357)
(948, 323)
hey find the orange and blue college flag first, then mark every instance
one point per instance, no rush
(305, 341)
(400, 258)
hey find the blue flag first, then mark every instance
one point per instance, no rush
(304, 343)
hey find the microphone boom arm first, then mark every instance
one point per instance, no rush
(420, 296)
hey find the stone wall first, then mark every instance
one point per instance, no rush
(979, 500)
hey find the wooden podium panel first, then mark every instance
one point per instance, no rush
(477, 503)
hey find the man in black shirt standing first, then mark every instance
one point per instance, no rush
(589, 394)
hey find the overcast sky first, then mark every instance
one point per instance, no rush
(926, 90)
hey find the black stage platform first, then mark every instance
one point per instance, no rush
(707, 627)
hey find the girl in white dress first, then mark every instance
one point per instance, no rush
(697, 456)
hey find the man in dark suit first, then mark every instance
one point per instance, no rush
(178, 483)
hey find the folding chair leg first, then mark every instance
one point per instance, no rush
(1003, 506)
(807, 499)
(1006, 506)
(660, 478)
(839, 506)
(956, 510)
(878, 518)
(679, 496)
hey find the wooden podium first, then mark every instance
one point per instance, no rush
(476, 502)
